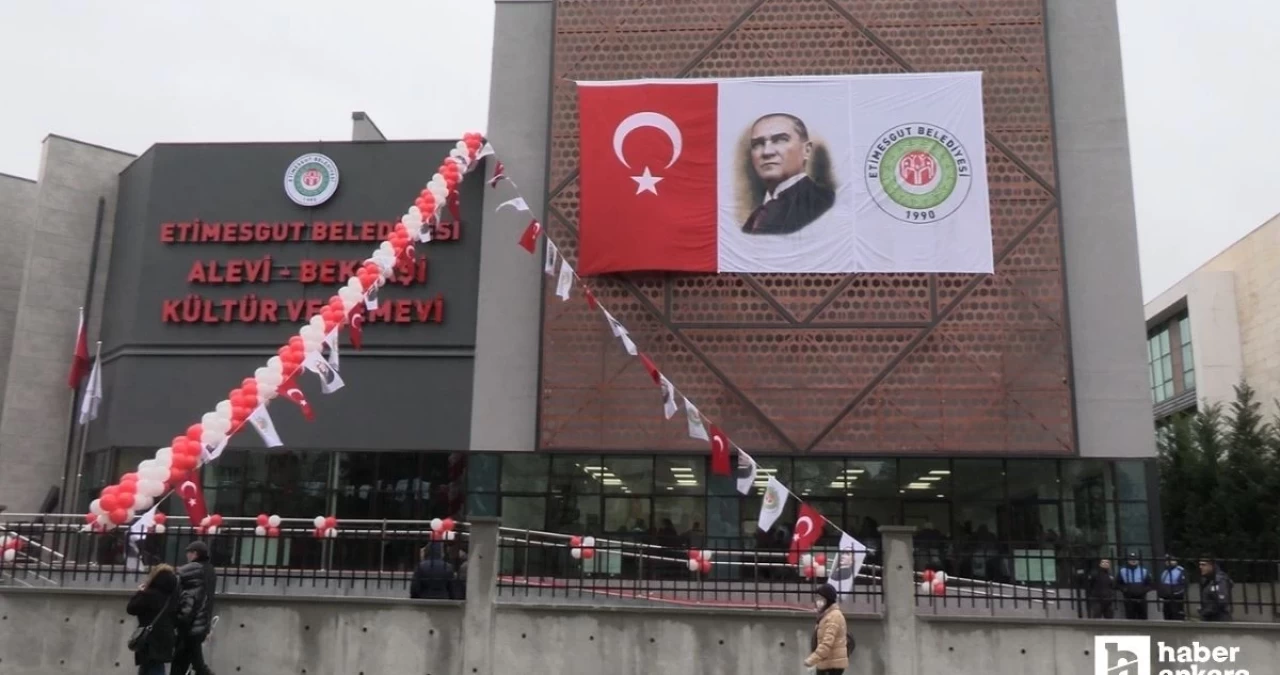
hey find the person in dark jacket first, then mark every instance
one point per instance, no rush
(1173, 590)
(1135, 581)
(155, 605)
(195, 610)
(1215, 591)
(433, 578)
(1100, 589)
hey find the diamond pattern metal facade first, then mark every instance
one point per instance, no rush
(862, 364)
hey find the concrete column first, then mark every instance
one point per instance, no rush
(897, 545)
(504, 399)
(482, 590)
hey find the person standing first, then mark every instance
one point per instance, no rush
(1215, 591)
(155, 605)
(1135, 581)
(830, 654)
(434, 578)
(1173, 590)
(1100, 590)
(198, 580)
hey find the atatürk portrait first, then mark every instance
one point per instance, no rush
(784, 194)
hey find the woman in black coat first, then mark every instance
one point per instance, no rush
(155, 605)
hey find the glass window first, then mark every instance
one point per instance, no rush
(778, 467)
(679, 519)
(680, 475)
(1032, 479)
(821, 478)
(873, 479)
(1131, 480)
(981, 521)
(918, 478)
(482, 472)
(724, 521)
(524, 513)
(1135, 524)
(399, 488)
(627, 515)
(1160, 363)
(978, 480)
(1188, 363)
(624, 475)
(863, 517)
(571, 513)
(524, 473)
(357, 475)
(1086, 480)
(577, 474)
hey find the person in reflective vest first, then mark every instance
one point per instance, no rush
(1135, 581)
(1173, 590)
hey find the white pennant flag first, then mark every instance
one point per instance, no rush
(330, 380)
(844, 569)
(518, 204)
(485, 151)
(331, 341)
(265, 426)
(424, 232)
(775, 499)
(746, 472)
(92, 392)
(549, 259)
(616, 326)
(628, 345)
(668, 396)
(371, 299)
(212, 451)
(696, 428)
(137, 533)
(565, 283)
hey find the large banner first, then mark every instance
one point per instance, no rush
(865, 173)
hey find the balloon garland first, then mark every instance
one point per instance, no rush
(137, 491)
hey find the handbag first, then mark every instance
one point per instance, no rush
(141, 635)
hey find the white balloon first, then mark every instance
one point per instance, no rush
(317, 321)
(806, 560)
(450, 535)
(354, 284)
(160, 528)
(275, 365)
(461, 145)
(437, 178)
(693, 565)
(940, 576)
(312, 344)
(819, 570)
(348, 294)
(208, 419)
(166, 463)
(319, 521)
(260, 531)
(149, 487)
(9, 555)
(331, 533)
(415, 211)
(146, 464)
(589, 542)
(142, 502)
(575, 553)
(211, 530)
(104, 521)
(706, 555)
(212, 436)
(274, 521)
(223, 409)
(436, 524)
(222, 424)
(95, 507)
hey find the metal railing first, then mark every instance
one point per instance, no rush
(1032, 579)
(367, 558)
(541, 566)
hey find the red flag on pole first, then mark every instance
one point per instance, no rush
(356, 329)
(80, 357)
(529, 240)
(719, 452)
(192, 496)
(808, 530)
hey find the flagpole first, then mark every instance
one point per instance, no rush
(84, 431)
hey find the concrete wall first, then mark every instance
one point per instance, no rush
(17, 213)
(1100, 236)
(1233, 302)
(37, 402)
(505, 393)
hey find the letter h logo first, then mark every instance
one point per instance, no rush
(1122, 655)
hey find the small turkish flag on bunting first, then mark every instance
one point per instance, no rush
(289, 389)
(719, 452)
(653, 369)
(591, 298)
(499, 172)
(529, 240)
(807, 531)
(452, 202)
(356, 319)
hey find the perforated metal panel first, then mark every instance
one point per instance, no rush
(866, 364)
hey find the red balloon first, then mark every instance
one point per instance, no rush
(108, 502)
(695, 554)
(318, 533)
(236, 397)
(939, 587)
(240, 413)
(330, 522)
(281, 352)
(928, 575)
(295, 340)
(109, 490)
(124, 500)
(575, 541)
(251, 398)
(194, 432)
(118, 516)
(273, 531)
(130, 477)
(161, 518)
(263, 519)
(704, 566)
(588, 553)
(399, 228)
(447, 524)
(90, 518)
(820, 559)
(176, 474)
(184, 462)
(808, 571)
(215, 520)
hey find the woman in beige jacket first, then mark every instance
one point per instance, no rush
(830, 647)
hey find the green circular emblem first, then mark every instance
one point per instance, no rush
(311, 180)
(918, 173)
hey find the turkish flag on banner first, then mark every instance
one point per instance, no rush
(289, 389)
(808, 529)
(192, 496)
(648, 178)
(793, 175)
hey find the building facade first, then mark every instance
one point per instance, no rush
(1007, 406)
(1217, 327)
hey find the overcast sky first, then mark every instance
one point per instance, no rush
(1203, 96)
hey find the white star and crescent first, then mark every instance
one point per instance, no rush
(717, 444)
(806, 520)
(646, 181)
(182, 490)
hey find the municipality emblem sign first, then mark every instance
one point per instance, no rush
(311, 179)
(918, 173)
